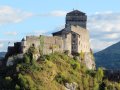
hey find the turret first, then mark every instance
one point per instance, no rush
(23, 45)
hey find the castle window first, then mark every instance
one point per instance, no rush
(72, 47)
(74, 35)
(73, 42)
(33, 44)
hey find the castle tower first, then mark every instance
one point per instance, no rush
(76, 17)
(23, 45)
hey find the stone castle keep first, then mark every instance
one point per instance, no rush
(73, 38)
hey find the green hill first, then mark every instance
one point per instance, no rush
(109, 57)
(56, 71)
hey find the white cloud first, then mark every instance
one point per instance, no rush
(56, 13)
(98, 45)
(1, 45)
(11, 33)
(39, 32)
(7, 40)
(112, 36)
(104, 28)
(11, 15)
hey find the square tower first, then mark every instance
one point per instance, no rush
(76, 17)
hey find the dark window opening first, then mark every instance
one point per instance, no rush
(74, 35)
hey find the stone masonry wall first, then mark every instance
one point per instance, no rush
(83, 38)
(50, 44)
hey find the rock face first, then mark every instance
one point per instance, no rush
(10, 60)
(89, 61)
(71, 86)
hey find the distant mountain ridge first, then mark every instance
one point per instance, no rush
(109, 58)
(2, 54)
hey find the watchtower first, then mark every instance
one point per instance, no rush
(76, 17)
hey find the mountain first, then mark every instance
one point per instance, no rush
(2, 54)
(109, 58)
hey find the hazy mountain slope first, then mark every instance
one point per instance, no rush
(109, 57)
(2, 54)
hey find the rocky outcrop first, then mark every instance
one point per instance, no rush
(71, 86)
(11, 59)
(89, 61)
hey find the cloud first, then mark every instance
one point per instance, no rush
(7, 40)
(104, 28)
(56, 13)
(11, 33)
(39, 32)
(97, 44)
(11, 15)
(1, 45)
(112, 36)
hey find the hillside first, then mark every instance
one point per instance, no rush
(2, 54)
(56, 71)
(109, 57)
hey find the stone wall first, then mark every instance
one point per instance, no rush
(50, 44)
(67, 42)
(83, 43)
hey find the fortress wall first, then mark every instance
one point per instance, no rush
(49, 42)
(67, 42)
(83, 40)
(31, 40)
(52, 44)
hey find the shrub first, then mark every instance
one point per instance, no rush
(60, 78)
(66, 52)
(26, 82)
(99, 75)
(26, 58)
(86, 82)
(96, 85)
(17, 87)
(82, 55)
(75, 65)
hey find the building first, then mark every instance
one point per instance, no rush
(73, 38)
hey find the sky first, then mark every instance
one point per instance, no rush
(20, 18)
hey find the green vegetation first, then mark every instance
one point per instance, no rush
(82, 55)
(41, 38)
(53, 73)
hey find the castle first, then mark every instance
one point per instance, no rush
(73, 38)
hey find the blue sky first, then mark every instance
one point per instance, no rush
(19, 18)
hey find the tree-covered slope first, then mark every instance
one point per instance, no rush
(109, 57)
(56, 71)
